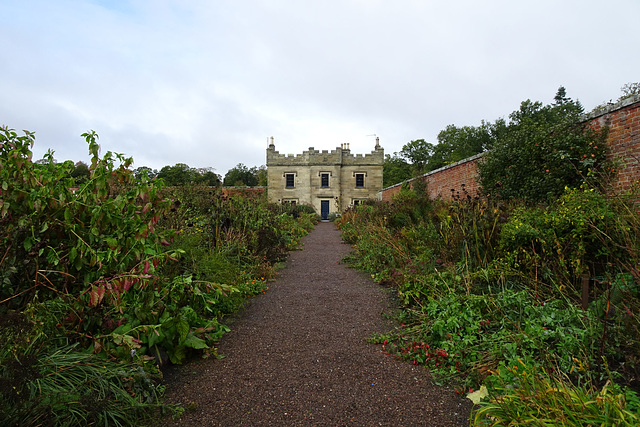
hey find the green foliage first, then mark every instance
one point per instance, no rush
(181, 174)
(458, 143)
(56, 240)
(47, 380)
(101, 281)
(542, 150)
(81, 173)
(560, 242)
(145, 172)
(241, 176)
(472, 334)
(395, 170)
(486, 283)
(418, 153)
(527, 395)
(454, 144)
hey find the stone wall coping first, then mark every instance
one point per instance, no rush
(611, 107)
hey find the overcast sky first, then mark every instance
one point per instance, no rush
(206, 82)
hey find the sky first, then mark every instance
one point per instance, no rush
(207, 82)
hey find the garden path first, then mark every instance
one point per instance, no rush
(298, 355)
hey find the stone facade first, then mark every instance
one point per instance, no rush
(330, 181)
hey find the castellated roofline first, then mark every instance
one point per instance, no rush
(339, 156)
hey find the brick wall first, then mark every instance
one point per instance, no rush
(457, 179)
(623, 120)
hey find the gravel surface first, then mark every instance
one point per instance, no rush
(298, 356)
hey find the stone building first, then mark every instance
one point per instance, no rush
(330, 181)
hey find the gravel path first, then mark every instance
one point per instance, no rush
(298, 356)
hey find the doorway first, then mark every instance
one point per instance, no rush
(324, 209)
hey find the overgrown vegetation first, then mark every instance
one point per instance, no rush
(533, 296)
(104, 279)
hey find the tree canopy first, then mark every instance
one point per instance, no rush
(542, 150)
(418, 157)
(241, 176)
(396, 169)
(182, 174)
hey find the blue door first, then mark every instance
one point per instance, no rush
(324, 209)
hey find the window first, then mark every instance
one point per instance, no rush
(290, 180)
(359, 180)
(290, 201)
(324, 180)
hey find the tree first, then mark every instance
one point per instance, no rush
(458, 143)
(241, 176)
(417, 152)
(629, 90)
(395, 170)
(179, 174)
(139, 172)
(561, 96)
(542, 150)
(80, 173)
(207, 176)
(263, 177)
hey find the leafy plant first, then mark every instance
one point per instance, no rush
(101, 280)
(542, 150)
(527, 395)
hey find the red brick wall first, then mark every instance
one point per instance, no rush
(461, 177)
(623, 140)
(623, 120)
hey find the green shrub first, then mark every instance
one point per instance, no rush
(543, 149)
(523, 394)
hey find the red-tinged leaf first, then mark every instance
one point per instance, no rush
(96, 295)
(127, 284)
(146, 267)
(146, 207)
(156, 331)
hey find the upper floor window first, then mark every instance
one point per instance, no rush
(290, 180)
(324, 180)
(359, 180)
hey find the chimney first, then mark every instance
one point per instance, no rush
(377, 142)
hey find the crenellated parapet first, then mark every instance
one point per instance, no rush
(313, 157)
